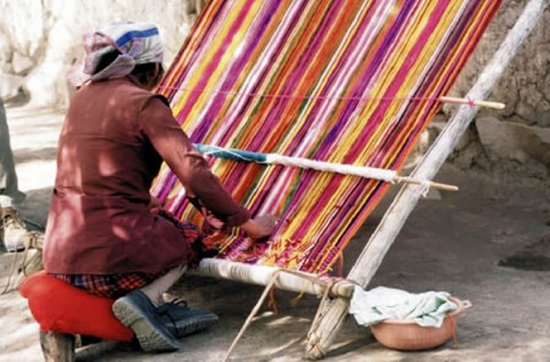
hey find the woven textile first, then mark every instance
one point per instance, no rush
(348, 82)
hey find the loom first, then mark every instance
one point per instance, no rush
(345, 82)
(340, 82)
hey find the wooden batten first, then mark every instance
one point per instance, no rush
(289, 280)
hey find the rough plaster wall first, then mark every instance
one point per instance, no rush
(525, 85)
(496, 141)
(40, 39)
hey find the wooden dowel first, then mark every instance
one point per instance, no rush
(431, 184)
(486, 104)
(344, 169)
(250, 316)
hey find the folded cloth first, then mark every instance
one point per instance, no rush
(426, 309)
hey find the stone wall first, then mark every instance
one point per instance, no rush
(516, 139)
(40, 39)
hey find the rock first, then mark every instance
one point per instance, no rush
(421, 147)
(20, 63)
(10, 85)
(463, 142)
(520, 156)
(5, 66)
(433, 195)
(533, 257)
(44, 90)
(532, 102)
(505, 140)
(503, 94)
(465, 159)
(543, 117)
(437, 126)
(546, 158)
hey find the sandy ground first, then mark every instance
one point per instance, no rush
(453, 243)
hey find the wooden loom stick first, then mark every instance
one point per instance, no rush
(325, 330)
(290, 280)
(487, 104)
(361, 171)
(429, 184)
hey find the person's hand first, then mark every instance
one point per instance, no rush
(154, 202)
(260, 227)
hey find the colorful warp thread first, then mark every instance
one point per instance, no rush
(343, 81)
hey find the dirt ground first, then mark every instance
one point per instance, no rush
(466, 243)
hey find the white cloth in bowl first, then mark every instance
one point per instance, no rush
(426, 309)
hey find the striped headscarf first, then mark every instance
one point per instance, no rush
(138, 43)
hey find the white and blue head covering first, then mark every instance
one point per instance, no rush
(138, 43)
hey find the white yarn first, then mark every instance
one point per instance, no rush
(362, 171)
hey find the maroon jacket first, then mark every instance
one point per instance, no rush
(113, 141)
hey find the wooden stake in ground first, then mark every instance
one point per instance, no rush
(57, 347)
(323, 333)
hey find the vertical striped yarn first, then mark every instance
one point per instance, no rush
(342, 81)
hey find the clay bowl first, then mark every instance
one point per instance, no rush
(406, 335)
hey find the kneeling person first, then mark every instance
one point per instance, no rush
(104, 232)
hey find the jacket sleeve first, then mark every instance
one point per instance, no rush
(157, 123)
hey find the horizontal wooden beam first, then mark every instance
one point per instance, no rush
(290, 280)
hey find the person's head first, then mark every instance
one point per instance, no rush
(120, 49)
(148, 74)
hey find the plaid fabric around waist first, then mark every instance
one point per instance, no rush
(109, 286)
(117, 285)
